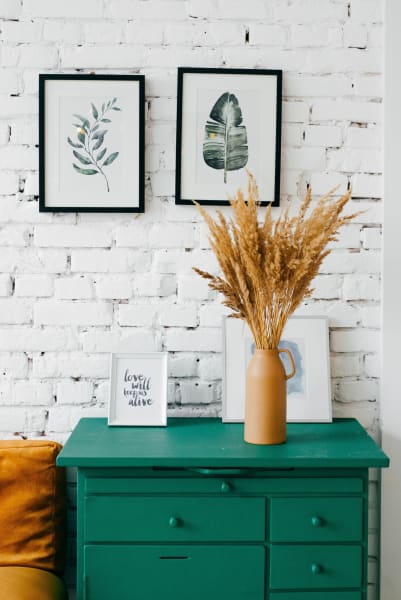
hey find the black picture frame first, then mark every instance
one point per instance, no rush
(130, 197)
(186, 189)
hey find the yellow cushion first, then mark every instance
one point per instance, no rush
(24, 583)
(32, 506)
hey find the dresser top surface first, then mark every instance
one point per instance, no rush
(208, 442)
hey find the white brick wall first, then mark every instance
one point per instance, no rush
(74, 287)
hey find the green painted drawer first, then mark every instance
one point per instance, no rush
(315, 566)
(315, 596)
(316, 519)
(173, 519)
(174, 572)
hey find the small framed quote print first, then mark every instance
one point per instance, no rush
(91, 143)
(138, 389)
(228, 122)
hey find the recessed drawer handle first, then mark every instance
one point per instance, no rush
(219, 471)
(316, 569)
(173, 522)
(317, 522)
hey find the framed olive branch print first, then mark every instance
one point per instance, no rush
(228, 122)
(91, 143)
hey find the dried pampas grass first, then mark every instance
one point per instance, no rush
(267, 268)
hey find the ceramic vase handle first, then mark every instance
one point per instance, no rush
(288, 353)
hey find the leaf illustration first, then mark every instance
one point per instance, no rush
(98, 143)
(85, 122)
(99, 133)
(82, 159)
(101, 154)
(225, 145)
(111, 158)
(69, 140)
(91, 132)
(85, 171)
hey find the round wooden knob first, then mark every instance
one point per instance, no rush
(316, 521)
(316, 569)
(173, 522)
(225, 487)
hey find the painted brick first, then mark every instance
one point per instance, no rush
(371, 238)
(310, 10)
(62, 365)
(141, 32)
(29, 393)
(179, 316)
(194, 392)
(355, 35)
(347, 110)
(29, 339)
(373, 365)
(14, 312)
(14, 235)
(18, 157)
(73, 313)
(364, 340)
(327, 287)
(367, 11)
(194, 288)
(357, 391)
(304, 158)
(359, 287)
(136, 315)
(101, 57)
(13, 366)
(8, 182)
(315, 35)
(101, 261)
(172, 236)
(44, 56)
(182, 365)
(323, 136)
(74, 392)
(155, 285)
(6, 285)
(10, 9)
(313, 86)
(103, 33)
(139, 340)
(198, 340)
(364, 137)
(62, 31)
(18, 31)
(70, 236)
(210, 368)
(345, 366)
(73, 288)
(371, 316)
(218, 9)
(117, 287)
(71, 9)
(33, 286)
(368, 85)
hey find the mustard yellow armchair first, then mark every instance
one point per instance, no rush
(32, 521)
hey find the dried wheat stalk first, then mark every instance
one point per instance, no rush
(267, 268)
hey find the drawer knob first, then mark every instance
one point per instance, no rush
(225, 487)
(316, 569)
(173, 522)
(316, 521)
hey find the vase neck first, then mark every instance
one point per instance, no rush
(268, 351)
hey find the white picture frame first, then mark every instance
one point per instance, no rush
(308, 393)
(138, 389)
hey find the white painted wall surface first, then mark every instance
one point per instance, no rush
(391, 391)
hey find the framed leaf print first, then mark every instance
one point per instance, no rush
(228, 122)
(91, 143)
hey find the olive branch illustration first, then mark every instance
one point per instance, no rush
(90, 136)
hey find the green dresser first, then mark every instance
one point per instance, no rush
(191, 512)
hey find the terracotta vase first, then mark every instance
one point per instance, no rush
(266, 397)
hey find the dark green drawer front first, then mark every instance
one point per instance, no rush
(315, 566)
(316, 596)
(172, 519)
(174, 572)
(316, 519)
